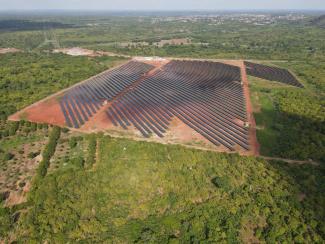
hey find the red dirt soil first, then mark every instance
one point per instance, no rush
(48, 111)
(255, 147)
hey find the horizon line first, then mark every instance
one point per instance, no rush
(169, 10)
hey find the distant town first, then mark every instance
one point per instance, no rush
(218, 19)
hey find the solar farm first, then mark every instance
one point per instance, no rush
(197, 103)
(272, 73)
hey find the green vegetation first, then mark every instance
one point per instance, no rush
(6, 222)
(73, 142)
(319, 21)
(14, 126)
(91, 159)
(285, 40)
(290, 120)
(33, 154)
(28, 77)
(303, 120)
(48, 152)
(299, 42)
(15, 25)
(15, 134)
(146, 192)
(22, 39)
(151, 193)
(16, 167)
(8, 156)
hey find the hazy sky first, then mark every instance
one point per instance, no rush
(161, 4)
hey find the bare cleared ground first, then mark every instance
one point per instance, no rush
(78, 51)
(9, 50)
(16, 174)
(177, 42)
(48, 111)
(249, 108)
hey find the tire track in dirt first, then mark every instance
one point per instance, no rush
(249, 109)
(291, 161)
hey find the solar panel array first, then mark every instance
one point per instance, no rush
(272, 73)
(206, 96)
(81, 102)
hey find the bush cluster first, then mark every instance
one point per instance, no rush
(48, 152)
(91, 150)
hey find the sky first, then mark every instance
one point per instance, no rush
(160, 4)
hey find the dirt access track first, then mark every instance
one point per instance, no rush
(78, 51)
(49, 111)
(9, 50)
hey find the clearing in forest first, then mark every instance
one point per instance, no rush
(202, 104)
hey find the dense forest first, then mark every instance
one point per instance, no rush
(94, 188)
(145, 192)
(19, 25)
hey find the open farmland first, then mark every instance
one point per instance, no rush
(199, 103)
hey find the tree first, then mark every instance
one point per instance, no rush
(73, 142)
(8, 156)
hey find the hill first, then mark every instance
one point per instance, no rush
(319, 21)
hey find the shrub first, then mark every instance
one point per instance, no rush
(14, 126)
(48, 152)
(27, 130)
(79, 161)
(222, 182)
(91, 150)
(33, 154)
(33, 127)
(73, 142)
(4, 195)
(8, 156)
(22, 184)
(65, 130)
(5, 133)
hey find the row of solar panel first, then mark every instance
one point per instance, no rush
(81, 102)
(272, 73)
(179, 89)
